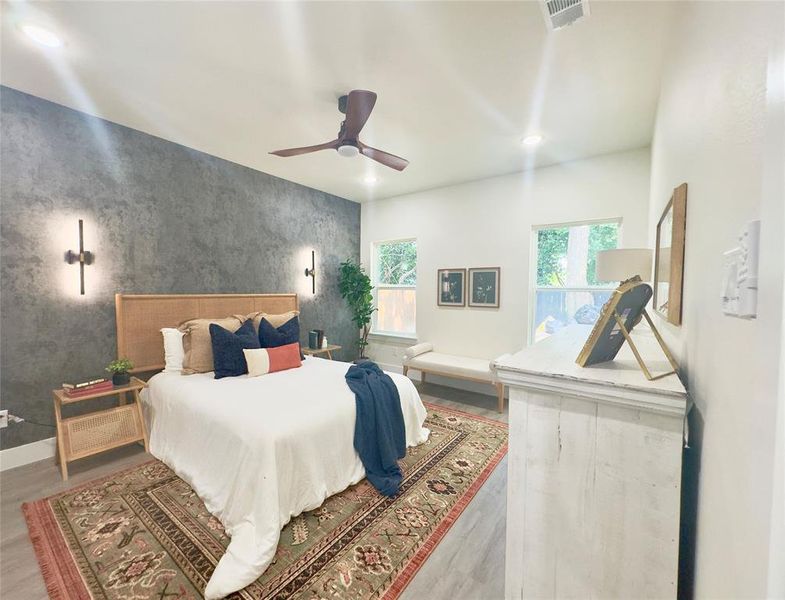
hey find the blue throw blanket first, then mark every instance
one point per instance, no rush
(379, 431)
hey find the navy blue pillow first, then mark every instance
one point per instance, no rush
(228, 357)
(288, 333)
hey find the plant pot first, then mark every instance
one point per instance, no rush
(121, 378)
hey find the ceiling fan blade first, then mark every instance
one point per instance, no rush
(306, 149)
(358, 108)
(380, 156)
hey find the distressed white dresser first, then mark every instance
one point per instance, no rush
(594, 472)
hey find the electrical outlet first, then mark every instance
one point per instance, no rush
(3, 418)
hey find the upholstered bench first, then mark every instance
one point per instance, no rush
(422, 358)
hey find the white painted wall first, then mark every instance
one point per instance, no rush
(489, 223)
(710, 132)
(774, 205)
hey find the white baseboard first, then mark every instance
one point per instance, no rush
(10, 458)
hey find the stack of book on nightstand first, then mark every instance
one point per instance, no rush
(85, 388)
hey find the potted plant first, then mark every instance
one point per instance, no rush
(120, 371)
(355, 287)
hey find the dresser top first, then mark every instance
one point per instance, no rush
(551, 363)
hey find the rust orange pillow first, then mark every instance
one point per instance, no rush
(269, 360)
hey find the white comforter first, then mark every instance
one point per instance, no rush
(259, 451)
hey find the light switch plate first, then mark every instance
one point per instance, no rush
(3, 419)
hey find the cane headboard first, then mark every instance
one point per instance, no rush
(141, 317)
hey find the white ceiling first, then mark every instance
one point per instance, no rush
(459, 83)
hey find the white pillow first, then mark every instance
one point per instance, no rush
(173, 350)
(417, 349)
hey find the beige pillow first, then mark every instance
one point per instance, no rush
(197, 344)
(274, 320)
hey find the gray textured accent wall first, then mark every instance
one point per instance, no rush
(161, 218)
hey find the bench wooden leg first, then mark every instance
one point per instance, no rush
(405, 371)
(500, 393)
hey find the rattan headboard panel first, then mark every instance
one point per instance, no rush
(141, 317)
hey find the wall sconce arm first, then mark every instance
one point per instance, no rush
(83, 257)
(312, 271)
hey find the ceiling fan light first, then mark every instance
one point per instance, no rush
(348, 150)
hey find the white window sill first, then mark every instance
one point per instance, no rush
(393, 338)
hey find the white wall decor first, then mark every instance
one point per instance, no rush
(740, 275)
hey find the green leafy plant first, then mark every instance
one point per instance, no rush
(355, 287)
(552, 250)
(121, 365)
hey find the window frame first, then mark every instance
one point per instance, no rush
(533, 255)
(375, 331)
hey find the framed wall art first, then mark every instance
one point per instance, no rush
(669, 257)
(451, 287)
(484, 287)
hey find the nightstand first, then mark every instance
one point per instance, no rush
(91, 433)
(328, 350)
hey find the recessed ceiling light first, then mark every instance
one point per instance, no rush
(531, 140)
(42, 36)
(370, 179)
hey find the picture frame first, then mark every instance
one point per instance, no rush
(484, 287)
(628, 301)
(451, 287)
(669, 257)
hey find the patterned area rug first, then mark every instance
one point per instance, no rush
(143, 533)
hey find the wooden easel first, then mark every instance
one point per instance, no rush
(642, 364)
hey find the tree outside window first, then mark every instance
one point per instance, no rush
(395, 279)
(566, 288)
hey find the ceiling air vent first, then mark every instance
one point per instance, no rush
(560, 13)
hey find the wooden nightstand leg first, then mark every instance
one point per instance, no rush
(329, 355)
(405, 371)
(60, 448)
(138, 402)
(500, 392)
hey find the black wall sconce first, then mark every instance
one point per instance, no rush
(312, 271)
(83, 257)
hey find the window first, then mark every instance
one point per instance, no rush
(395, 280)
(565, 288)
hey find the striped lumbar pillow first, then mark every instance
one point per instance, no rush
(268, 360)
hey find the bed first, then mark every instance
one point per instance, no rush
(258, 451)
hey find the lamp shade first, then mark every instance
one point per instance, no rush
(623, 263)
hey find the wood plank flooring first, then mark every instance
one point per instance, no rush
(468, 564)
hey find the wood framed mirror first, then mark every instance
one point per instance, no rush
(669, 257)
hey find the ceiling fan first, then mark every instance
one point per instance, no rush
(357, 107)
